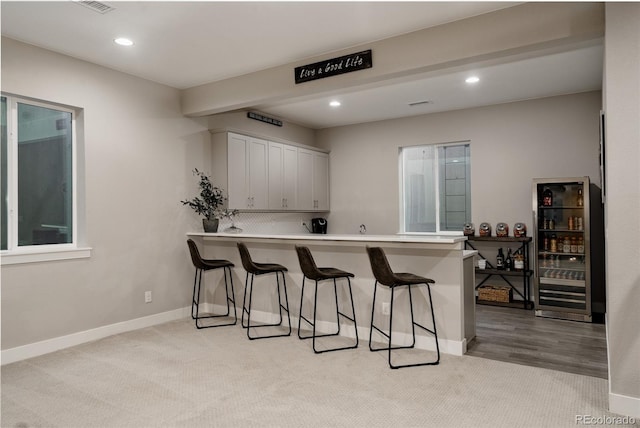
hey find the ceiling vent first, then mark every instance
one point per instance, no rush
(418, 103)
(95, 6)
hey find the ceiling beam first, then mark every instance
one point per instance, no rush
(522, 31)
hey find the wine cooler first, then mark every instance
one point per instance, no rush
(568, 248)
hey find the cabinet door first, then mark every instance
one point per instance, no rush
(237, 171)
(283, 176)
(290, 177)
(257, 173)
(247, 172)
(276, 176)
(321, 181)
(305, 180)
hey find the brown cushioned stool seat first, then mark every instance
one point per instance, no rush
(317, 274)
(386, 277)
(203, 265)
(254, 269)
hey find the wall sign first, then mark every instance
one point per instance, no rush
(265, 119)
(333, 67)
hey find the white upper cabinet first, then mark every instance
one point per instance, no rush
(321, 181)
(283, 176)
(268, 176)
(236, 171)
(305, 180)
(290, 174)
(247, 172)
(313, 180)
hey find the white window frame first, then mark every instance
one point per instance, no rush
(15, 254)
(437, 189)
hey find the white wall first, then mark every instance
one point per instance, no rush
(622, 110)
(139, 153)
(510, 145)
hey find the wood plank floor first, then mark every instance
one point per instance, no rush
(518, 336)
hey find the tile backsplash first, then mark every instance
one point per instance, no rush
(270, 223)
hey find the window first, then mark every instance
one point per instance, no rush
(436, 187)
(38, 177)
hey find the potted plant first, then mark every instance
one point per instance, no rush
(230, 214)
(209, 203)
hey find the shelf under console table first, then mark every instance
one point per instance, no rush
(520, 243)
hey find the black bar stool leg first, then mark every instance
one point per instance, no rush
(249, 307)
(248, 326)
(353, 311)
(193, 297)
(197, 298)
(314, 335)
(315, 309)
(244, 299)
(279, 298)
(335, 292)
(301, 316)
(227, 284)
(231, 299)
(413, 323)
(286, 301)
(373, 307)
(393, 289)
(435, 332)
(390, 346)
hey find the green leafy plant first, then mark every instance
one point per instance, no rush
(211, 200)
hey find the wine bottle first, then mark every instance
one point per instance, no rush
(547, 197)
(508, 262)
(580, 201)
(518, 263)
(500, 260)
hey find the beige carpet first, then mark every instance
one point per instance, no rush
(173, 375)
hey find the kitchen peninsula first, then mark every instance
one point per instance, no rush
(441, 258)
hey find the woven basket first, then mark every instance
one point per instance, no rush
(494, 293)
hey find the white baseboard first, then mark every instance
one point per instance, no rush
(624, 405)
(620, 404)
(31, 350)
(46, 346)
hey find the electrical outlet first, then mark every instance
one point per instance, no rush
(147, 297)
(386, 308)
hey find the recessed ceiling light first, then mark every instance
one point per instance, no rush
(123, 41)
(335, 103)
(472, 79)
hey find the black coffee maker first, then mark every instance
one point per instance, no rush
(319, 225)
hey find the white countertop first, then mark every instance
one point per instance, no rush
(417, 239)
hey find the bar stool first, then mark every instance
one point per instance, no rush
(201, 266)
(385, 276)
(314, 273)
(254, 269)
